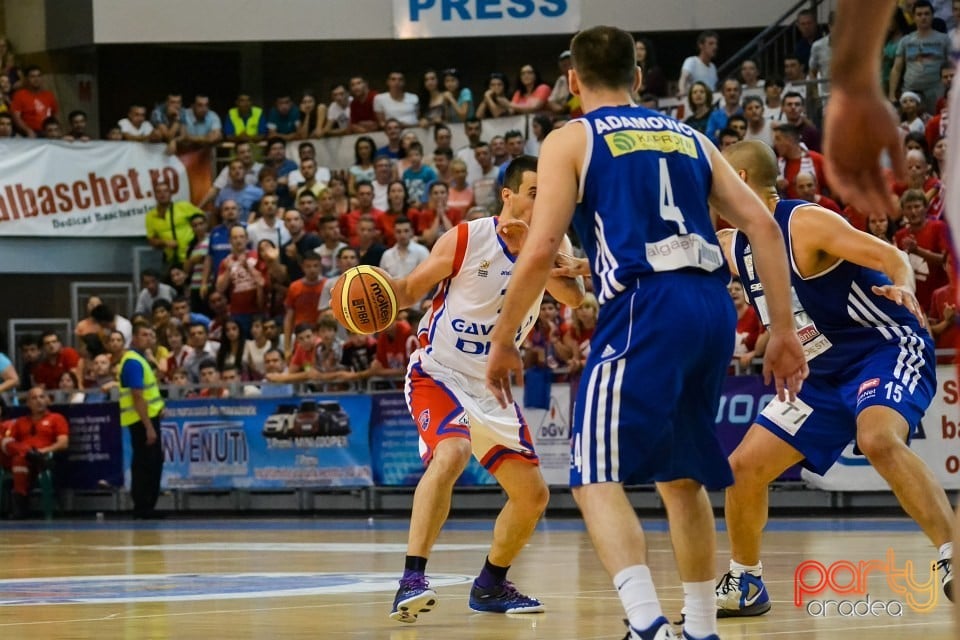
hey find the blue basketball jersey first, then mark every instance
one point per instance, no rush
(839, 320)
(642, 205)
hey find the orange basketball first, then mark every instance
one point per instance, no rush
(363, 301)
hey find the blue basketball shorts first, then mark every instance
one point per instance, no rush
(822, 421)
(649, 392)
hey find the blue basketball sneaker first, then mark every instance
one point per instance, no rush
(502, 598)
(741, 594)
(413, 598)
(659, 630)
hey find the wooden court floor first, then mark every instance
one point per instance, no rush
(329, 578)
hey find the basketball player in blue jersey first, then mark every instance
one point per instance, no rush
(860, 125)
(455, 416)
(640, 184)
(872, 376)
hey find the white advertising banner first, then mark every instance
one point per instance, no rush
(472, 18)
(937, 441)
(74, 189)
(550, 429)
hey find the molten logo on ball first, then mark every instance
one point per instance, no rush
(382, 302)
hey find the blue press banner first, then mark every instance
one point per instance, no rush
(305, 441)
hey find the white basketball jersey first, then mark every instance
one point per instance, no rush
(456, 330)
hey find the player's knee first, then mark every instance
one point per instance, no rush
(537, 496)
(452, 456)
(878, 445)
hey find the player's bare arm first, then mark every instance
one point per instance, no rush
(784, 358)
(557, 177)
(567, 290)
(820, 238)
(725, 238)
(437, 267)
(860, 123)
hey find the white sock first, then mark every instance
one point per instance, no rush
(639, 597)
(754, 569)
(699, 608)
(946, 550)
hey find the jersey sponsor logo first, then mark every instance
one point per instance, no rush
(755, 287)
(423, 420)
(748, 265)
(607, 352)
(868, 384)
(624, 142)
(678, 252)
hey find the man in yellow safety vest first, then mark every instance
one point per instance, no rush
(141, 408)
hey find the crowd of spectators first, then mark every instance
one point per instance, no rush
(245, 290)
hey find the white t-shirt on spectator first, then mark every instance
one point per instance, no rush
(127, 127)
(405, 111)
(700, 72)
(259, 230)
(295, 178)
(380, 196)
(252, 176)
(399, 265)
(339, 115)
(474, 172)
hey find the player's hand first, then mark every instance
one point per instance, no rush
(513, 232)
(502, 361)
(785, 362)
(567, 266)
(859, 127)
(903, 297)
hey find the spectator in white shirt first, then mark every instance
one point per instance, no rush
(700, 68)
(135, 126)
(403, 257)
(397, 103)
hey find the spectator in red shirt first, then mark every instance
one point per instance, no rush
(303, 298)
(362, 116)
(349, 221)
(919, 177)
(794, 159)
(806, 188)
(749, 328)
(393, 351)
(927, 244)
(56, 359)
(33, 104)
(243, 278)
(27, 442)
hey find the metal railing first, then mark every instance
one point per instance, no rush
(769, 47)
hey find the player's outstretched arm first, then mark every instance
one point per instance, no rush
(816, 231)
(784, 359)
(557, 182)
(860, 123)
(438, 266)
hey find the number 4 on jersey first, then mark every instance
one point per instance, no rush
(668, 210)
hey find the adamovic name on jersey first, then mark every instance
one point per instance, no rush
(651, 133)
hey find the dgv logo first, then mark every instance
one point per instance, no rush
(446, 18)
(554, 425)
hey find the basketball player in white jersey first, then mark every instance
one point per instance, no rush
(455, 414)
(860, 124)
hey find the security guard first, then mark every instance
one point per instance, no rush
(141, 408)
